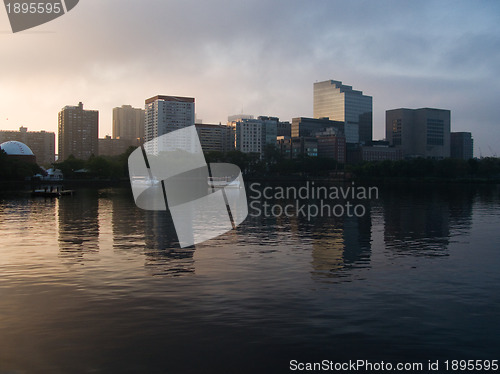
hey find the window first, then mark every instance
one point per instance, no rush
(396, 131)
(435, 131)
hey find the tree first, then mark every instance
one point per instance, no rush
(12, 168)
(98, 166)
(69, 166)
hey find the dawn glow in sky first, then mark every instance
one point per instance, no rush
(257, 57)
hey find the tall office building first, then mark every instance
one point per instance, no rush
(269, 129)
(339, 102)
(423, 132)
(128, 123)
(78, 132)
(461, 145)
(42, 143)
(167, 113)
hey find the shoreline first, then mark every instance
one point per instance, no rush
(23, 186)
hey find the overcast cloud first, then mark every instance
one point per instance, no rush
(257, 57)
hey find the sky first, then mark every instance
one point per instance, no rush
(257, 57)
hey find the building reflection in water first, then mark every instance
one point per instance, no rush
(78, 224)
(153, 234)
(461, 202)
(85, 219)
(337, 243)
(420, 220)
(128, 223)
(163, 253)
(341, 244)
(417, 221)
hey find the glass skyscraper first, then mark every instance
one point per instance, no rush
(339, 102)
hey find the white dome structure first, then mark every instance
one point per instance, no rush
(15, 148)
(18, 150)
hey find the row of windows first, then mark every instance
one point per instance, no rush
(435, 131)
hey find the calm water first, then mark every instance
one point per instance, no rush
(92, 284)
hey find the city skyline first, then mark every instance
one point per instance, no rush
(436, 54)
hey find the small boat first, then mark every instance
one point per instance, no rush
(142, 181)
(52, 193)
(223, 182)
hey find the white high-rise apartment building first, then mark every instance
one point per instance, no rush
(167, 113)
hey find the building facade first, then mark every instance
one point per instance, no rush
(423, 132)
(42, 143)
(252, 135)
(339, 102)
(332, 146)
(461, 145)
(78, 132)
(215, 138)
(284, 128)
(292, 148)
(114, 147)
(374, 153)
(303, 126)
(128, 123)
(164, 114)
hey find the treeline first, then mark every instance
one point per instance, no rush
(274, 164)
(486, 168)
(116, 167)
(271, 164)
(108, 167)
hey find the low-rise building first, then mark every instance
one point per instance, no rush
(292, 148)
(376, 151)
(114, 147)
(332, 146)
